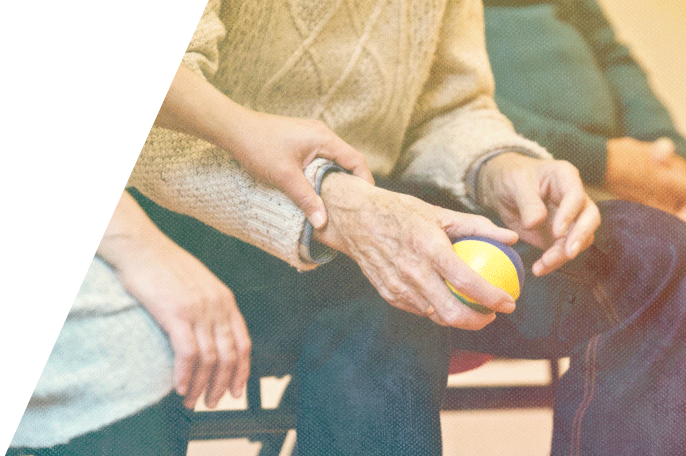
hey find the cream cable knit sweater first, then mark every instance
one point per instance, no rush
(406, 82)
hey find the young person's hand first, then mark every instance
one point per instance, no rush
(273, 149)
(198, 312)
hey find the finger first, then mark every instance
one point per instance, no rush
(556, 256)
(581, 233)
(671, 181)
(551, 259)
(639, 194)
(243, 345)
(681, 213)
(569, 208)
(185, 356)
(301, 192)
(347, 157)
(226, 360)
(436, 302)
(458, 225)
(530, 206)
(472, 285)
(456, 314)
(205, 365)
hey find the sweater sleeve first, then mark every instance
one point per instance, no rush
(192, 177)
(642, 114)
(195, 178)
(202, 54)
(456, 120)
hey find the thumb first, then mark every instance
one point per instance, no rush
(301, 192)
(532, 210)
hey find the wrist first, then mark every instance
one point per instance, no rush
(474, 179)
(490, 173)
(128, 234)
(344, 196)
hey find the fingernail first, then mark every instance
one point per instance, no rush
(536, 269)
(574, 249)
(317, 220)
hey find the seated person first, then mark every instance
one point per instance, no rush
(368, 333)
(152, 328)
(564, 81)
(108, 385)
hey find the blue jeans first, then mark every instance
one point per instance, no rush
(158, 430)
(619, 312)
(372, 377)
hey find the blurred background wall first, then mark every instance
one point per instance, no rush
(655, 30)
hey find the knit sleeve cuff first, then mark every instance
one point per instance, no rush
(472, 175)
(312, 251)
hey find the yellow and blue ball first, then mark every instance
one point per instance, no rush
(498, 263)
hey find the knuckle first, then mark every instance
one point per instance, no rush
(422, 244)
(320, 128)
(228, 357)
(244, 346)
(187, 353)
(228, 298)
(452, 316)
(387, 296)
(568, 167)
(394, 286)
(245, 350)
(209, 356)
(212, 298)
(223, 331)
(192, 303)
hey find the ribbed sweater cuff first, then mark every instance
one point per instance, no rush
(472, 175)
(312, 251)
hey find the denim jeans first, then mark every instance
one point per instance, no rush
(619, 312)
(158, 430)
(372, 377)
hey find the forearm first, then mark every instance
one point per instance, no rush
(347, 198)
(191, 177)
(457, 121)
(128, 232)
(195, 107)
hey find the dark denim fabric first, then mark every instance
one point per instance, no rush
(372, 377)
(619, 312)
(159, 430)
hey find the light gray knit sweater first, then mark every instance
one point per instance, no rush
(110, 361)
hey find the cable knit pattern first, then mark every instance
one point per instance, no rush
(406, 82)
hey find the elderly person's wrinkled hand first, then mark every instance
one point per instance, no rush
(544, 201)
(402, 245)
